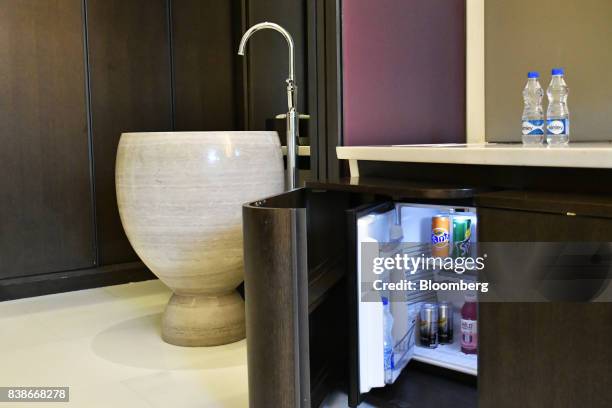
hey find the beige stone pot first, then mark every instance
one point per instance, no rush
(180, 197)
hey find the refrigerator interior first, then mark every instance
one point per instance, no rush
(414, 231)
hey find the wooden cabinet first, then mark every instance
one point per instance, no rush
(301, 330)
(46, 211)
(300, 287)
(547, 354)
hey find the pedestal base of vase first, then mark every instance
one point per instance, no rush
(198, 320)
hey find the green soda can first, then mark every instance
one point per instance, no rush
(462, 232)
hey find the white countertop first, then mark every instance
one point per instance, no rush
(587, 155)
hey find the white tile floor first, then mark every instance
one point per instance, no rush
(105, 345)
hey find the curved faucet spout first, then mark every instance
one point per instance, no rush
(292, 114)
(276, 27)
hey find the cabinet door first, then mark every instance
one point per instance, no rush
(46, 215)
(129, 58)
(544, 354)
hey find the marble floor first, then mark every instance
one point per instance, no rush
(105, 345)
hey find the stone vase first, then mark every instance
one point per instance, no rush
(180, 197)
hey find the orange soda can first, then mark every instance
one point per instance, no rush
(440, 236)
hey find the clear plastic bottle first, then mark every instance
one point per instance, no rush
(469, 325)
(557, 115)
(533, 112)
(388, 341)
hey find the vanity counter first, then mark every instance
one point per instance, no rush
(576, 155)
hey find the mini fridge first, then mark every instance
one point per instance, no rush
(384, 231)
(310, 335)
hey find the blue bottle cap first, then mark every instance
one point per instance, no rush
(558, 71)
(385, 301)
(533, 74)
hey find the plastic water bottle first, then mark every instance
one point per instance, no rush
(533, 112)
(557, 123)
(388, 341)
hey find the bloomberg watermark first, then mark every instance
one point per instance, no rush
(498, 271)
(411, 265)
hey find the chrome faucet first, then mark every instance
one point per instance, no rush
(292, 115)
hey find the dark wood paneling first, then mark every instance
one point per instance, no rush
(324, 86)
(332, 88)
(558, 203)
(46, 216)
(268, 59)
(206, 61)
(58, 282)
(501, 225)
(312, 62)
(129, 57)
(551, 179)
(544, 354)
(398, 189)
(276, 295)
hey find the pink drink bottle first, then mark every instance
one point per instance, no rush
(469, 325)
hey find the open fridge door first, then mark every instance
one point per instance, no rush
(366, 224)
(372, 228)
(386, 329)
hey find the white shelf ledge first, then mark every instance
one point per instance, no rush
(584, 155)
(449, 356)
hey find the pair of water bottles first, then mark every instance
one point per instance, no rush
(555, 129)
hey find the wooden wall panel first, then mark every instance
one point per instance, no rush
(207, 89)
(129, 57)
(545, 354)
(268, 59)
(78, 73)
(46, 216)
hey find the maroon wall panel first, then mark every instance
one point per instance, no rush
(403, 71)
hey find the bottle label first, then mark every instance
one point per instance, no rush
(557, 126)
(533, 127)
(469, 334)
